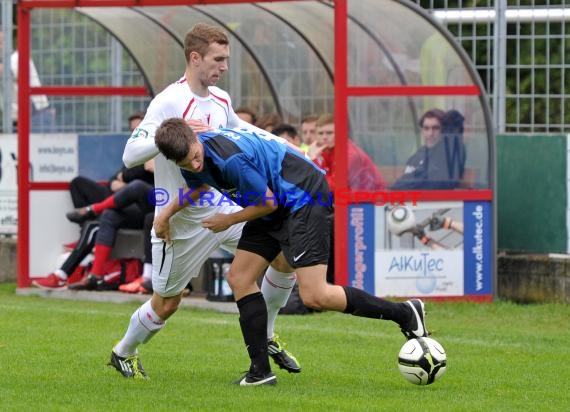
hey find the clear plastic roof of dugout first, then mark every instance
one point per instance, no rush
(282, 60)
(389, 59)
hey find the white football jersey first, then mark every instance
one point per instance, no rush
(177, 100)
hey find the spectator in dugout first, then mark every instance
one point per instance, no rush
(246, 114)
(288, 132)
(362, 171)
(269, 121)
(101, 210)
(440, 162)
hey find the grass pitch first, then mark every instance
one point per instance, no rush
(501, 357)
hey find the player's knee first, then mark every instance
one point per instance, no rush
(312, 299)
(236, 284)
(108, 218)
(280, 264)
(240, 282)
(166, 307)
(235, 280)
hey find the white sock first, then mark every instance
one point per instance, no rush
(144, 324)
(276, 288)
(147, 271)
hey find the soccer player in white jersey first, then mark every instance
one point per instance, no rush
(178, 259)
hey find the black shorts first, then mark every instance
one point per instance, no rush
(303, 236)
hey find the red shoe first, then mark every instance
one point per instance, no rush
(52, 281)
(132, 287)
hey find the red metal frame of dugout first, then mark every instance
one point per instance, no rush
(342, 92)
(24, 93)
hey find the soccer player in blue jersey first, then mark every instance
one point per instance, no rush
(284, 199)
(196, 99)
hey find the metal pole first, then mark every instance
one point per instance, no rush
(499, 66)
(7, 97)
(23, 146)
(117, 120)
(341, 144)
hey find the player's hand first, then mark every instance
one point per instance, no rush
(217, 223)
(198, 126)
(162, 227)
(438, 222)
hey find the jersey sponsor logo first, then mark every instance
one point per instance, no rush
(139, 133)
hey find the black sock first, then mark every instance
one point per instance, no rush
(360, 303)
(253, 322)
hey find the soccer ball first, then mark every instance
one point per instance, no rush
(400, 219)
(422, 361)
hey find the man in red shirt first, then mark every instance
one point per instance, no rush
(362, 171)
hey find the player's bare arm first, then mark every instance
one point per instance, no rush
(220, 222)
(162, 220)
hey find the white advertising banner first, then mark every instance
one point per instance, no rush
(419, 272)
(53, 157)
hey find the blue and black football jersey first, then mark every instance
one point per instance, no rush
(242, 161)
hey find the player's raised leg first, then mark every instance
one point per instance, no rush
(318, 294)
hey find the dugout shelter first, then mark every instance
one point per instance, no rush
(376, 64)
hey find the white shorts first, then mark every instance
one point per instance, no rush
(175, 263)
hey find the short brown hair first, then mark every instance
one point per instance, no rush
(309, 118)
(269, 119)
(247, 110)
(326, 118)
(432, 114)
(173, 138)
(201, 36)
(136, 115)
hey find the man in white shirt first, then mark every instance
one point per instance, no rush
(195, 98)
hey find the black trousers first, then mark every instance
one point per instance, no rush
(85, 192)
(84, 247)
(148, 221)
(132, 205)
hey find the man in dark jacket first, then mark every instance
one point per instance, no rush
(440, 162)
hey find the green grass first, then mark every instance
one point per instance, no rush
(501, 357)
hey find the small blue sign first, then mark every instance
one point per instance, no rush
(477, 248)
(361, 246)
